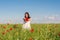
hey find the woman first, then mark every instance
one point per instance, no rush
(27, 20)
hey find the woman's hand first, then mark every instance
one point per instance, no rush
(24, 20)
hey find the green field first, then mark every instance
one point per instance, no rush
(37, 32)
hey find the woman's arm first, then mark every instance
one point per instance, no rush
(24, 19)
(29, 19)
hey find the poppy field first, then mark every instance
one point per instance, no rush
(37, 32)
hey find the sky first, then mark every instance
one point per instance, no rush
(41, 11)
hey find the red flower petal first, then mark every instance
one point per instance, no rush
(10, 28)
(30, 38)
(7, 30)
(32, 30)
(59, 34)
(3, 33)
(4, 26)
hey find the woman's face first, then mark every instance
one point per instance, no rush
(26, 15)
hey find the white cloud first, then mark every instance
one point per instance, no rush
(50, 17)
(40, 19)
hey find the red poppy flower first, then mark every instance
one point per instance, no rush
(32, 30)
(59, 34)
(4, 26)
(3, 33)
(30, 38)
(10, 28)
(7, 30)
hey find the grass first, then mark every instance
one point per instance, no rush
(37, 32)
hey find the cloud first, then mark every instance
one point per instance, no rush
(40, 19)
(50, 17)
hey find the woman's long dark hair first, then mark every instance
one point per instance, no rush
(27, 14)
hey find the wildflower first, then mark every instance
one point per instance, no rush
(30, 38)
(10, 28)
(4, 26)
(32, 30)
(3, 33)
(59, 34)
(7, 30)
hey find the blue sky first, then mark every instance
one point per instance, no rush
(41, 11)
